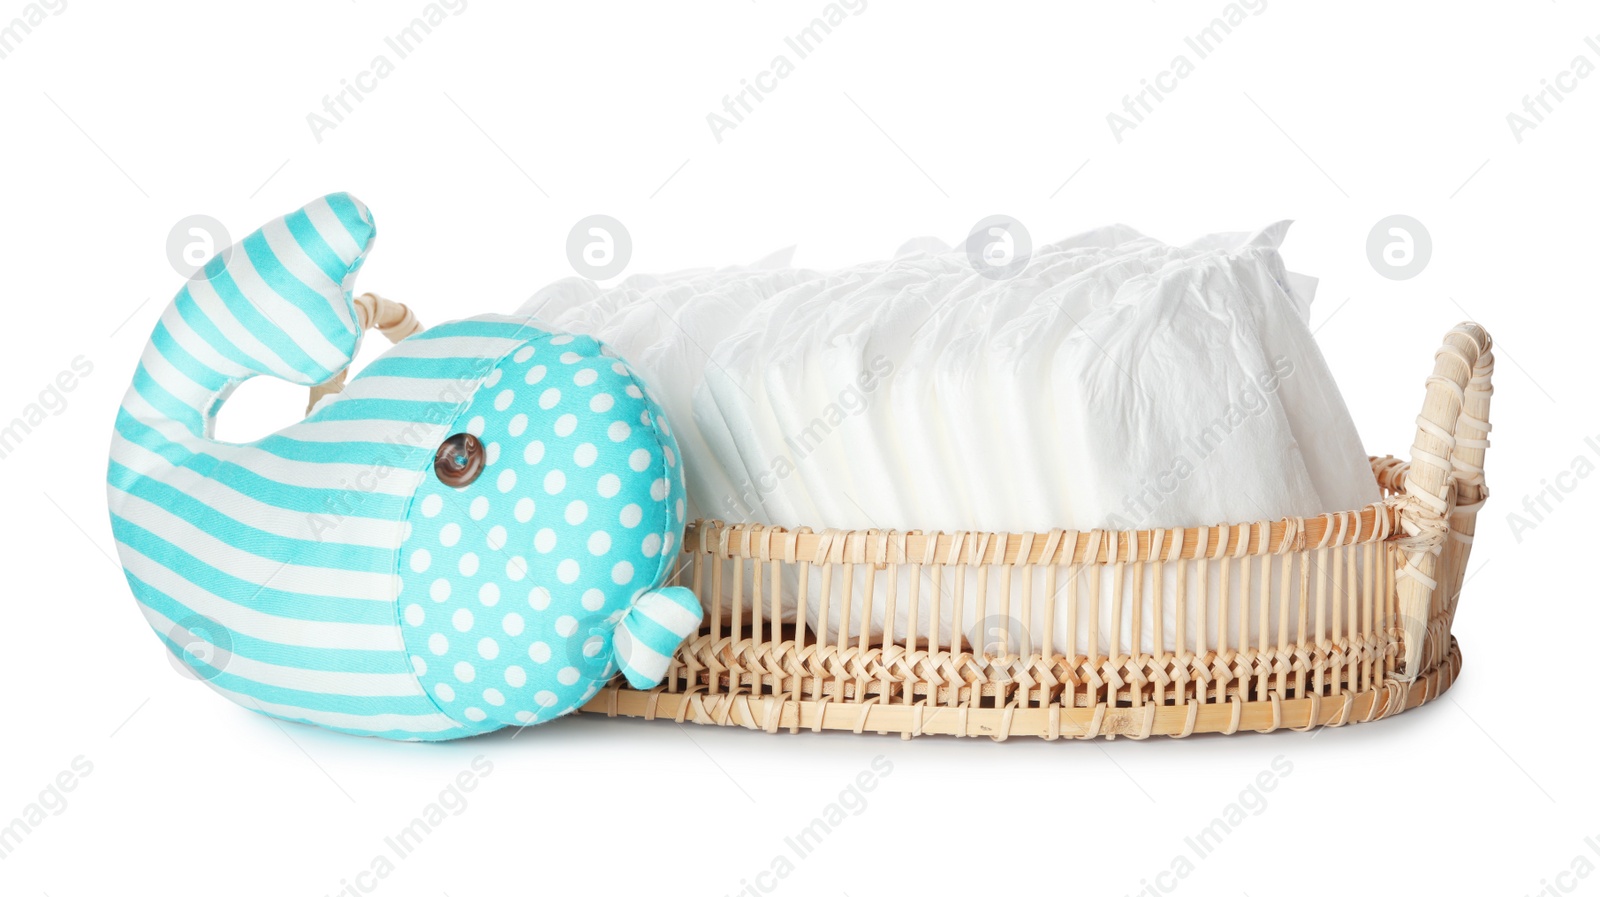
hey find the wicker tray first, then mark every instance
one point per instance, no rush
(1376, 590)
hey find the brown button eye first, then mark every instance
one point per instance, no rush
(459, 460)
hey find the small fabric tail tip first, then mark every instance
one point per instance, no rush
(653, 629)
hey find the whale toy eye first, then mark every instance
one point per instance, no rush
(459, 460)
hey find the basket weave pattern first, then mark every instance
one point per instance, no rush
(1375, 590)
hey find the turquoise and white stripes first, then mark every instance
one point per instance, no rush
(277, 303)
(203, 528)
(272, 568)
(652, 630)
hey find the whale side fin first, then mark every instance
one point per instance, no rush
(652, 630)
(277, 302)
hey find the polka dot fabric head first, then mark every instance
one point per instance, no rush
(514, 585)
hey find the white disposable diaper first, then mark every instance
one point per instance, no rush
(1114, 382)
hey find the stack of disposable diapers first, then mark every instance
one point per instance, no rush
(1113, 382)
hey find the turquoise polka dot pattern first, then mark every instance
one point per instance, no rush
(514, 585)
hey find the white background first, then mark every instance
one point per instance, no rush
(508, 124)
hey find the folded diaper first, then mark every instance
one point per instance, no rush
(1114, 382)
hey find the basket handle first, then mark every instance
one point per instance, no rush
(392, 319)
(1444, 487)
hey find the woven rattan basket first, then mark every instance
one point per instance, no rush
(1373, 593)
(1336, 619)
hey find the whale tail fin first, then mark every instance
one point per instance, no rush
(652, 630)
(277, 302)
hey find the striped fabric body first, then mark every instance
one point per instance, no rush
(273, 568)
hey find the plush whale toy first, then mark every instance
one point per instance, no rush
(472, 535)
